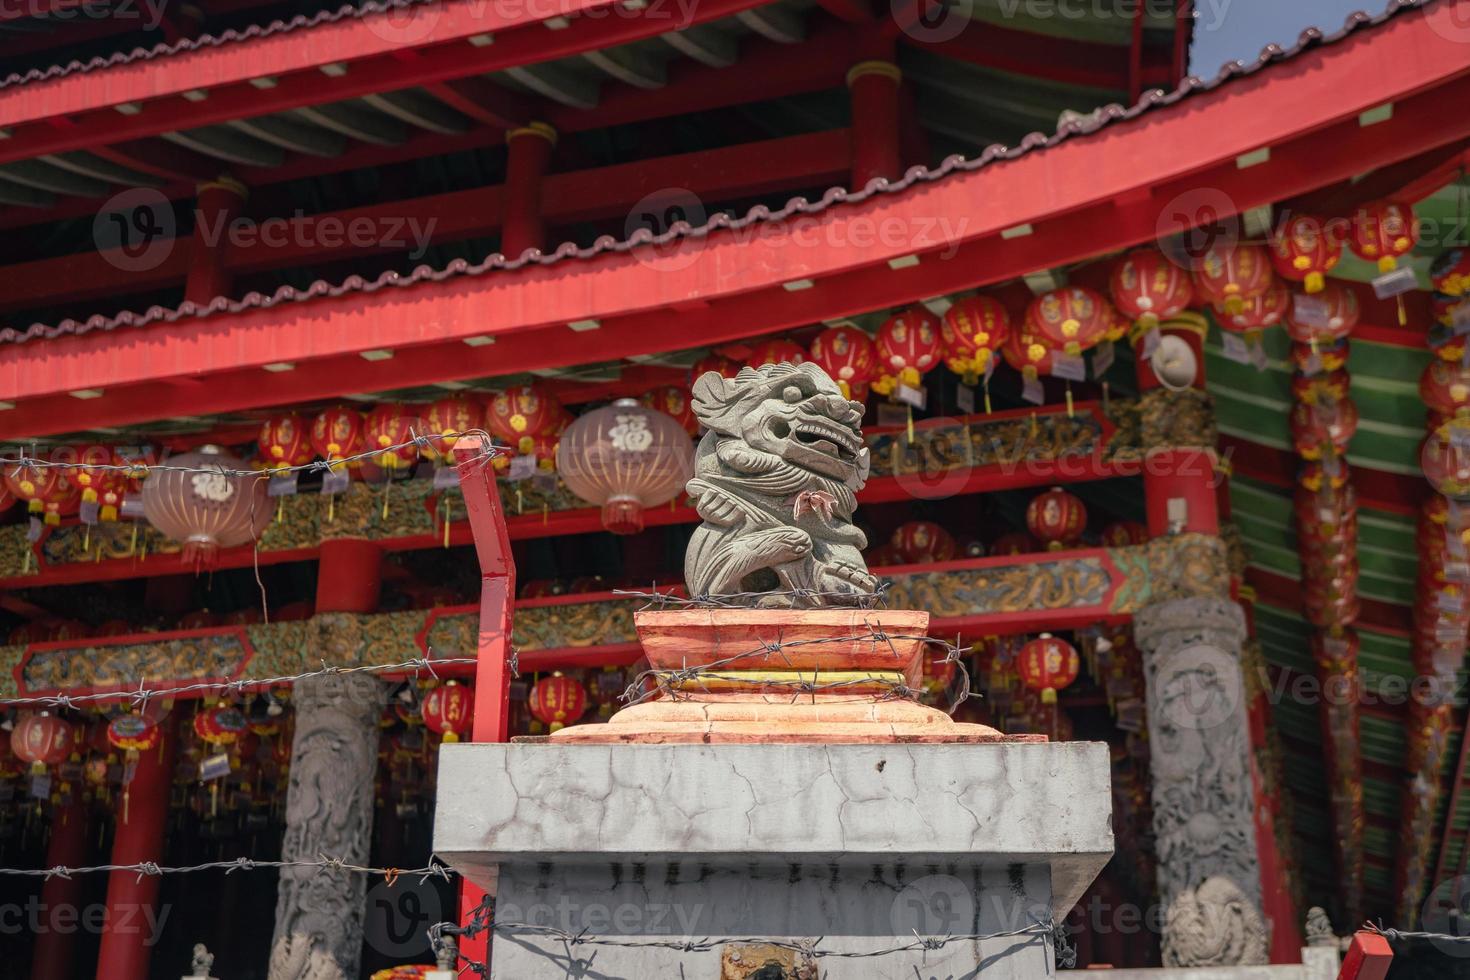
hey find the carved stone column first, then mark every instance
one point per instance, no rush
(1199, 735)
(329, 811)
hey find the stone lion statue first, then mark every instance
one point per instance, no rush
(1214, 925)
(775, 479)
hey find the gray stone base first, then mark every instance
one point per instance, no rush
(856, 847)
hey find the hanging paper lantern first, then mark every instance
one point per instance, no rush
(1383, 232)
(1445, 387)
(1445, 458)
(973, 330)
(1149, 289)
(1450, 273)
(922, 542)
(557, 700)
(1315, 476)
(1124, 534)
(1014, 543)
(94, 477)
(720, 364)
(206, 511)
(1027, 351)
(848, 356)
(338, 433)
(1256, 313)
(673, 400)
(624, 458)
(1332, 357)
(133, 733)
(221, 725)
(42, 740)
(448, 419)
(1048, 664)
(1056, 518)
(908, 347)
(1070, 320)
(1310, 389)
(1304, 251)
(47, 490)
(520, 413)
(285, 440)
(1327, 423)
(775, 350)
(1325, 318)
(883, 555)
(1232, 273)
(544, 447)
(1321, 514)
(391, 425)
(449, 710)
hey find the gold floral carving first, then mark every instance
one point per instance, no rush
(583, 624)
(1180, 566)
(1176, 418)
(980, 441)
(1062, 584)
(134, 664)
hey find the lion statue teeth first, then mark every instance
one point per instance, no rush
(775, 479)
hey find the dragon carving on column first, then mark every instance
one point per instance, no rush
(775, 479)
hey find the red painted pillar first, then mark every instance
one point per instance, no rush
(219, 202)
(528, 155)
(124, 952)
(68, 846)
(873, 88)
(349, 576)
(1191, 334)
(1179, 483)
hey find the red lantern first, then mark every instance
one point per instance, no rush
(718, 363)
(448, 419)
(1014, 543)
(775, 351)
(1312, 362)
(338, 433)
(1056, 518)
(206, 511)
(98, 483)
(1445, 458)
(1384, 232)
(221, 725)
(1048, 664)
(908, 346)
(1315, 476)
(673, 400)
(973, 330)
(1445, 387)
(42, 740)
(1323, 319)
(387, 426)
(848, 356)
(449, 710)
(1071, 320)
(1149, 289)
(1304, 251)
(198, 619)
(1311, 389)
(1256, 313)
(47, 490)
(133, 733)
(624, 458)
(921, 542)
(557, 700)
(1231, 273)
(1320, 514)
(521, 413)
(883, 555)
(284, 440)
(1124, 534)
(1326, 423)
(1451, 273)
(1027, 351)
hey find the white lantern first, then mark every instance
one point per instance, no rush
(625, 457)
(204, 510)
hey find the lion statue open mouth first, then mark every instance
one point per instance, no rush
(775, 479)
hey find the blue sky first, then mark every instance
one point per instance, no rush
(1226, 30)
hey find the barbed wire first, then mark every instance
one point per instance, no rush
(151, 869)
(752, 600)
(1433, 937)
(141, 695)
(140, 468)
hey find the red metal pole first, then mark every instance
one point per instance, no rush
(219, 203)
(127, 938)
(492, 673)
(68, 847)
(528, 154)
(873, 89)
(1179, 485)
(1368, 958)
(349, 576)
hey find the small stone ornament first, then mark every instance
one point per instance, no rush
(202, 964)
(775, 479)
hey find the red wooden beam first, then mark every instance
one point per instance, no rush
(1056, 59)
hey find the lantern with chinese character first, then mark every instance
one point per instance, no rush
(1256, 313)
(449, 710)
(220, 725)
(216, 506)
(133, 734)
(1445, 387)
(673, 400)
(557, 700)
(1027, 351)
(1384, 232)
(1070, 320)
(446, 420)
(908, 347)
(1322, 319)
(94, 476)
(1231, 273)
(720, 364)
(1056, 518)
(47, 490)
(1148, 288)
(284, 440)
(521, 413)
(1124, 534)
(1304, 250)
(973, 330)
(1311, 362)
(1048, 664)
(775, 350)
(338, 433)
(624, 458)
(1327, 424)
(1310, 389)
(390, 430)
(921, 542)
(849, 358)
(1445, 458)
(42, 740)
